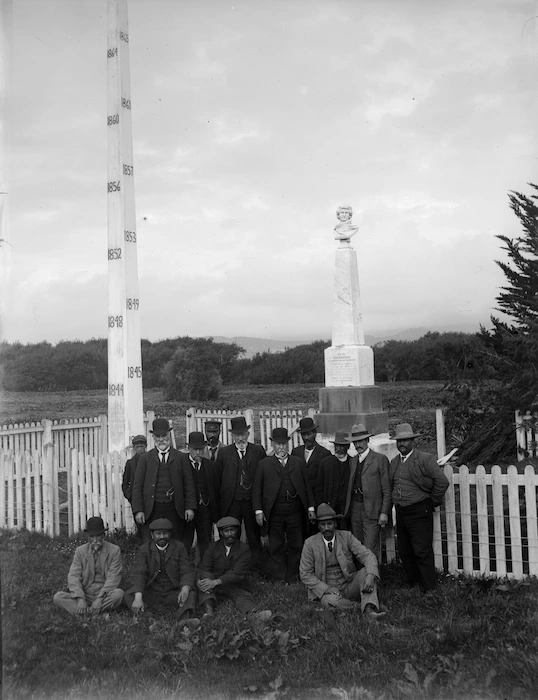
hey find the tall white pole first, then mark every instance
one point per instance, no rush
(125, 398)
(5, 246)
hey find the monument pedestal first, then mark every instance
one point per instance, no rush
(340, 407)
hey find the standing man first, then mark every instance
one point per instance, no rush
(163, 485)
(94, 576)
(328, 569)
(163, 575)
(281, 497)
(418, 485)
(207, 494)
(140, 445)
(312, 453)
(223, 571)
(212, 430)
(368, 502)
(333, 476)
(236, 466)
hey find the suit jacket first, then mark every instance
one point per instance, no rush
(148, 561)
(128, 477)
(268, 479)
(207, 453)
(209, 476)
(229, 465)
(82, 569)
(425, 473)
(375, 485)
(312, 466)
(146, 478)
(313, 565)
(328, 484)
(232, 569)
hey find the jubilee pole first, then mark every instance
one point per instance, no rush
(125, 398)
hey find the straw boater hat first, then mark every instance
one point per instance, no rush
(358, 432)
(325, 512)
(239, 424)
(340, 438)
(404, 431)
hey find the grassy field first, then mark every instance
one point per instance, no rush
(473, 638)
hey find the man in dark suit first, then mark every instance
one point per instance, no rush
(163, 575)
(333, 476)
(312, 453)
(140, 445)
(280, 497)
(163, 485)
(207, 494)
(223, 571)
(418, 485)
(368, 503)
(212, 430)
(329, 572)
(237, 465)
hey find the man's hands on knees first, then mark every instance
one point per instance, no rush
(208, 584)
(138, 604)
(96, 606)
(332, 591)
(183, 595)
(369, 583)
(82, 606)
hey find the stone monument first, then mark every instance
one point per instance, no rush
(350, 395)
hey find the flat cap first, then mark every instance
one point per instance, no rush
(228, 521)
(160, 524)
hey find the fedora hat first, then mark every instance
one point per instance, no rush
(340, 438)
(95, 526)
(160, 426)
(404, 431)
(197, 440)
(358, 432)
(280, 435)
(306, 425)
(239, 424)
(325, 512)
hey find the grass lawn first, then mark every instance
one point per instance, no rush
(474, 638)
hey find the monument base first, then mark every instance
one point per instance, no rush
(341, 407)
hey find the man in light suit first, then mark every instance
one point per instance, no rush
(368, 502)
(163, 485)
(328, 571)
(312, 453)
(94, 575)
(418, 485)
(237, 465)
(281, 496)
(212, 430)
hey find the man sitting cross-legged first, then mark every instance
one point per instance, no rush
(163, 575)
(224, 567)
(328, 571)
(94, 575)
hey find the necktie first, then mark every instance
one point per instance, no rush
(164, 455)
(330, 545)
(213, 453)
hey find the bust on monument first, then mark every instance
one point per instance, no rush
(344, 230)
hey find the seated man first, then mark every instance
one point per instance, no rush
(224, 567)
(94, 575)
(163, 574)
(328, 571)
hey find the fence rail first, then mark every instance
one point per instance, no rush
(487, 525)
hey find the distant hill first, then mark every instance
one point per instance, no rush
(254, 345)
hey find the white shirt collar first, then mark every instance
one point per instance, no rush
(328, 542)
(363, 456)
(404, 459)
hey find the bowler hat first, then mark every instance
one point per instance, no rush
(239, 424)
(358, 432)
(325, 512)
(161, 426)
(197, 440)
(161, 524)
(340, 438)
(404, 431)
(280, 435)
(306, 425)
(139, 440)
(95, 526)
(215, 424)
(228, 521)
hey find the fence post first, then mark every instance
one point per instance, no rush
(440, 426)
(103, 434)
(47, 431)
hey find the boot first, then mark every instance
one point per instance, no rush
(208, 608)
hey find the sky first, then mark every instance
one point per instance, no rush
(252, 121)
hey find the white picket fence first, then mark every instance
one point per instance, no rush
(488, 523)
(261, 422)
(526, 435)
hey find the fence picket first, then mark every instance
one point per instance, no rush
(465, 519)
(515, 524)
(497, 479)
(531, 520)
(450, 512)
(28, 519)
(482, 518)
